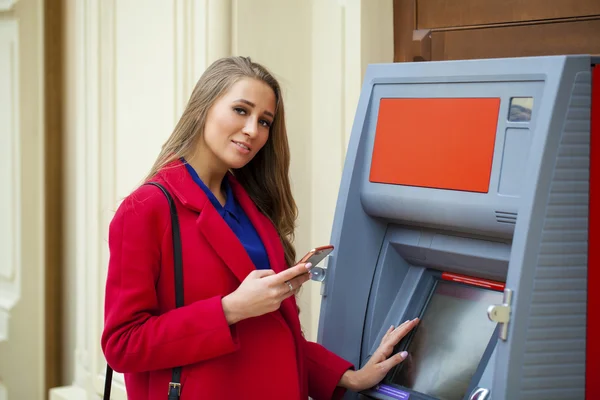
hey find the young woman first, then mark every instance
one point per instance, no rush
(238, 335)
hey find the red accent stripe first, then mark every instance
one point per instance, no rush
(592, 368)
(499, 286)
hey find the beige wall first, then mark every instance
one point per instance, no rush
(131, 66)
(21, 201)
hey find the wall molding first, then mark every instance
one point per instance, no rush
(4, 317)
(184, 46)
(7, 5)
(67, 393)
(10, 151)
(219, 33)
(104, 175)
(203, 34)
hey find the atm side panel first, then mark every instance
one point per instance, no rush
(544, 356)
(554, 357)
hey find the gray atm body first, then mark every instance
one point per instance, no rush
(527, 231)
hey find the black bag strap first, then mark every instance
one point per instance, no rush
(175, 384)
(177, 252)
(107, 382)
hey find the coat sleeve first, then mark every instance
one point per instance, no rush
(136, 336)
(325, 369)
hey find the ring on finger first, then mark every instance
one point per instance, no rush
(290, 286)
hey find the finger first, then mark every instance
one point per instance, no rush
(406, 327)
(296, 290)
(410, 324)
(392, 329)
(384, 350)
(401, 331)
(287, 292)
(293, 287)
(289, 274)
(389, 341)
(391, 362)
(299, 281)
(286, 289)
(261, 273)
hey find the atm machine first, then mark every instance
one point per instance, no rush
(464, 201)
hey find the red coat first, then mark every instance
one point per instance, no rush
(144, 335)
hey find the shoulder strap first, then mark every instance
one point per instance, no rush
(177, 252)
(107, 382)
(175, 384)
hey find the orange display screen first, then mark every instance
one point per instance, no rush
(444, 143)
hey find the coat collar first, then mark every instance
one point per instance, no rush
(216, 231)
(183, 187)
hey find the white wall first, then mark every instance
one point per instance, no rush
(21, 200)
(132, 65)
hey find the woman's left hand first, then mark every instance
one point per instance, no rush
(379, 364)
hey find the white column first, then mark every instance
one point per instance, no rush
(10, 160)
(10, 173)
(219, 30)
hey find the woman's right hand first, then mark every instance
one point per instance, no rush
(263, 291)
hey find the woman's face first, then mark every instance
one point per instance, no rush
(238, 124)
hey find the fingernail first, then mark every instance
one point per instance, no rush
(308, 265)
(403, 354)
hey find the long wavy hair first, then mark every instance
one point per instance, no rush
(266, 176)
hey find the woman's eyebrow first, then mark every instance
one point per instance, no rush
(251, 104)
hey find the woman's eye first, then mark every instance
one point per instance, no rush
(265, 123)
(239, 110)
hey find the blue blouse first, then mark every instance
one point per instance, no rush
(238, 221)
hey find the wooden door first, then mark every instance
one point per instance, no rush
(434, 30)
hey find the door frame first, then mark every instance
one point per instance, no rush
(53, 191)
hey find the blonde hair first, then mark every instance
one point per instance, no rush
(265, 177)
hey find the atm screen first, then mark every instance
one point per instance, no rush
(449, 342)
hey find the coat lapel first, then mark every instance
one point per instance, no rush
(183, 186)
(265, 229)
(225, 243)
(273, 246)
(210, 224)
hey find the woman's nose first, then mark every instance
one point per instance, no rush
(251, 127)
